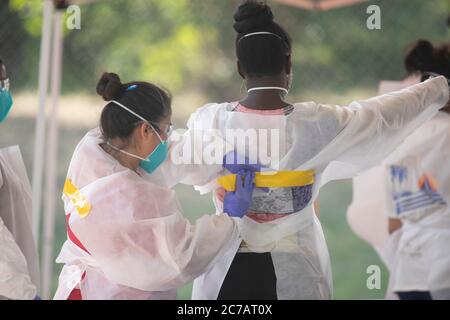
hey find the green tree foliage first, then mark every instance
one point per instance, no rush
(187, 45)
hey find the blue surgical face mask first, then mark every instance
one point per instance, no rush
(6, 103)
(156, 157)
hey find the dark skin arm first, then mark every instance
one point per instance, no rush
(393, 225)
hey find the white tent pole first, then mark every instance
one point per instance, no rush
(38, 159)
(51, 177)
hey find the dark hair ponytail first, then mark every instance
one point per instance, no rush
(424, 57)
(146, 99)
(263, 54)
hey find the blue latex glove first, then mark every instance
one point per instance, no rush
(235, 162)
(236, 203)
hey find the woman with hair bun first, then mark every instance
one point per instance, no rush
(401, 207)
(419, 205)
(127, 238)
(283, 254)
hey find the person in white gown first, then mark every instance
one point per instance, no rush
(19, 265)
(127, 238)
(283, 254)
(411, 200)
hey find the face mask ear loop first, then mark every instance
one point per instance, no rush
(268, 88)
(142, 118)
(125, 152)
(156, 131)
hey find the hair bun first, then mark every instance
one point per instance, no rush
(420, 56)
(110, 87)
(252, 15)
(424, 47)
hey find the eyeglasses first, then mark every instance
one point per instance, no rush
(156, 127)
(168, 131)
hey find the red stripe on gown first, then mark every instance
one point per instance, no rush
(76, 293)
(72, 236)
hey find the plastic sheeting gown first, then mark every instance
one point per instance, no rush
(337, 143)
(418, 193)
(127, 236)
(19, 265)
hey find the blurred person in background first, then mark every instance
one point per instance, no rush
(418, 180)
(410, 194)
(19, 264)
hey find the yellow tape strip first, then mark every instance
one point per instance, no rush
(79, 201)
(280, 179)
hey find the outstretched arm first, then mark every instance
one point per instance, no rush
(371, 129)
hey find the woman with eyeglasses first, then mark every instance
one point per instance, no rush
(127, 238)
(19, 265)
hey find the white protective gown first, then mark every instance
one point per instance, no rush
(139, 245)
(338, 143)
(367, 217)
(19, 265)
(417, 190)
(15, 282)
(366, 214)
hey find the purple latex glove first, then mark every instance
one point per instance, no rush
(236, 203)
(235, 162)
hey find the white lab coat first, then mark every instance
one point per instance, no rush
(338, 143)
(19, 265)
(139, 245)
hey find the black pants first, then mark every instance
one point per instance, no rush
(251, 276)
(414, 295)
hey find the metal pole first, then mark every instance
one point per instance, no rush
(52, 156)
(38, 160)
